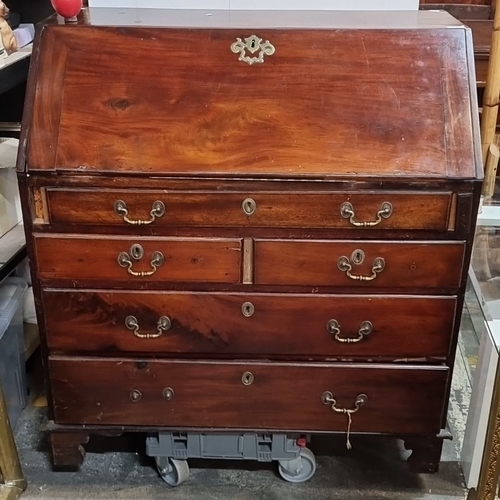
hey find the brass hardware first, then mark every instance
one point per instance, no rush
(365, 329)
(137, 252)
(168, 393)
(163, 325)
(328, 399)
(249, 206)
(358, 257)
(157, 210)
(252, 44)
(135, 395)
(333, 327)
(247, 378)
(347, 212)
(345, 266)
(247, 309)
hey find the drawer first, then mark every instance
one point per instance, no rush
(359, 263)
(384, 210)
(299, 326)
(400, 400)
(138, 259)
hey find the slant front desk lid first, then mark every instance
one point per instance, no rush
(318, 98)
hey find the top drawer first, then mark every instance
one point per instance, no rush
(323, 210)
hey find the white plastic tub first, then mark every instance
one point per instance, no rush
(12, 364)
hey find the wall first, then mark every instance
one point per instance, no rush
(262, 4)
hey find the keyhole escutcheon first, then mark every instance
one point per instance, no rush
(247, 309)
(358, 257)
(247, 378)
(249, 206)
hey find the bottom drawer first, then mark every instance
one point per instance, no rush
(271, 396)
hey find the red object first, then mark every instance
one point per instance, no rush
(302, 442)
(67, 8)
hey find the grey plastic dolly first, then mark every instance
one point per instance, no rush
(171, 451)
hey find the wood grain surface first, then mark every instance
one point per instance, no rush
(298, 209)
(282, 325)
(413, 264)
(401, 399)
(371, 102)
(95, 258)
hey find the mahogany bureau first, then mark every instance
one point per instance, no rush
(250, 222)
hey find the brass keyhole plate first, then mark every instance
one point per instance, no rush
(247, 378)
(358, 257)
(249, 206)
(247, 309)
(136, 251)
(168, 393)
(135, 395)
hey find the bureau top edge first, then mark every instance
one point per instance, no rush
(259, 19)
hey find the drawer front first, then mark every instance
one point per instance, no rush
(161, 259)
(359, 263)
(400, 400)
(253, 325)
(426, 211)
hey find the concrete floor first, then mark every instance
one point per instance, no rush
(117, 468)
(375, 468)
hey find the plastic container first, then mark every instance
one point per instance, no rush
(12, 364)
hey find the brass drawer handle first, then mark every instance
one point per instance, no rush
(345, 266)
(365, 329)
(328, 399)
(136, 253)
(163, 325)
(157, 210)
(347, 212)
(253, 44)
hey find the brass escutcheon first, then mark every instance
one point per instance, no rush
(247, 309)
(358, 257)
(347, 212)
(249, 206)
(168, 393)
(135, 395)
(136, 251)
(247, 378)
(157, 210)
(252, 44)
